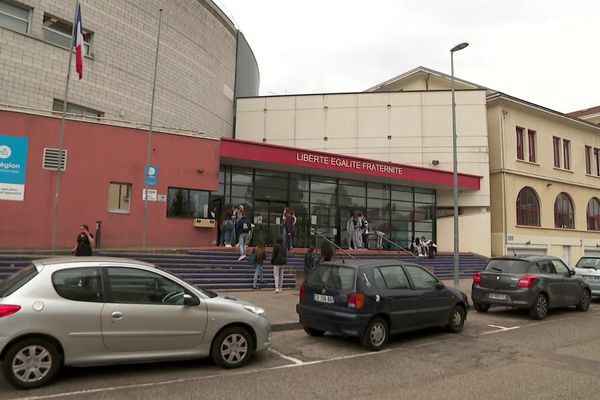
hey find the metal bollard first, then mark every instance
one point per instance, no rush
(98, 233)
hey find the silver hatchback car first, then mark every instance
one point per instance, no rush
(94, 311)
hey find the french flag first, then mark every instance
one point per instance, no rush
(78, 41)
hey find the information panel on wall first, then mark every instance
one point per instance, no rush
(13, 165)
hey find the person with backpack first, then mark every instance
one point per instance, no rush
(228, 230)
(259, 255)
(278, 261)
(243, 227)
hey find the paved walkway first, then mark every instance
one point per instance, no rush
(281, 307)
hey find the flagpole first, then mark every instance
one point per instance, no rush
(149, 151)
(61, 140)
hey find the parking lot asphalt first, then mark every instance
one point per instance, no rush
(281, 307)
(502, 354)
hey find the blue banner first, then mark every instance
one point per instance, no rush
(13, 166)
(151, 176)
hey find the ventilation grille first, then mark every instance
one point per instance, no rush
(52, 159)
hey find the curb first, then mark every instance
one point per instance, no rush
(285, 326)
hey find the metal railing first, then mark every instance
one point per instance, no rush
(314, 231)
(380, 236)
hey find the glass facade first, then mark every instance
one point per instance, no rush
(325, 203)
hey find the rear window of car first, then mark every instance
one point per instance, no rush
(17, 280)
(333, 277)
(588, 263)
(511, 266)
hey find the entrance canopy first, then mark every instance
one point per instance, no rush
(267, 156)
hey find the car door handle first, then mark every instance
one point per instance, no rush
(117, 314)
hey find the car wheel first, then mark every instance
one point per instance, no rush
(539, 310)
(584, 302)
(457, 320)
(31, 363)
(313, 332)
(232, 348)
(375, 335)
(481, 307)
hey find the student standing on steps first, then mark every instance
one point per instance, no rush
(278, 260)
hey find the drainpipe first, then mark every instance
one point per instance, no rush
(503, 172)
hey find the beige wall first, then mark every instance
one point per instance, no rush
(473, 232)
(411, 128)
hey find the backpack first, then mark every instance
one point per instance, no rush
(245, 224)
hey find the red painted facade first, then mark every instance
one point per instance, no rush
(99, 154)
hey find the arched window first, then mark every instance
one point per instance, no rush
(593, 214)
(563, 212)
(528, 207)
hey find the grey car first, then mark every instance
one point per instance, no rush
(535, 283)
(589, 269)
(95, 311)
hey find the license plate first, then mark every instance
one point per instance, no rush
(323, 298)
(497, 296)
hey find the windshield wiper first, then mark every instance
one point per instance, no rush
(497, 269)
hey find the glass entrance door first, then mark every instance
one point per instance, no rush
(268, 221)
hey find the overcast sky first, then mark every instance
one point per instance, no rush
(542, 51)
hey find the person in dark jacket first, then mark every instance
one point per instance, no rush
(278, 261)
(85, 241)
(309, 261)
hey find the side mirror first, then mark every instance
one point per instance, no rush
(439, 285)
(571, 272)
(189, 300)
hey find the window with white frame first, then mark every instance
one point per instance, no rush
(58, 31)
(76, 111)
(14, 16)
(119, 198)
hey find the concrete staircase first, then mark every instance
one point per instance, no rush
(219, 269)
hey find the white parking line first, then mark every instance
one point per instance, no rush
(292, 359)
(200, 378)
(499, 329)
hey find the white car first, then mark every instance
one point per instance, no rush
(589, 269)
(83, 311)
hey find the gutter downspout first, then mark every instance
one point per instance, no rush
(503, 172)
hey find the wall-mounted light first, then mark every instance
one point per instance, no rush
(200, 170)
(389, 137)
(264, 140)
(528, 242)
(325, 138)
(435, 162)
(548, 185)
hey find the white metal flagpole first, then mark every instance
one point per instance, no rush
(61, 140)
(149, 151)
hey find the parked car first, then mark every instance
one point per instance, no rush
(589, 269)
(534, 283)
(372, 299)
(95, 310)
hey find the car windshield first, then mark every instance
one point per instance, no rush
(17, 280)
(206, 292)
(333, 277)
(509, 266)
(589, 263)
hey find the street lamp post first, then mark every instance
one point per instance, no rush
(455, 167)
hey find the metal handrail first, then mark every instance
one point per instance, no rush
(397, 245)
(314, 231)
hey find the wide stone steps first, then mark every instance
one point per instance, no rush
(222, 270)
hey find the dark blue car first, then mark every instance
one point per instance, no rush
(372, 299)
